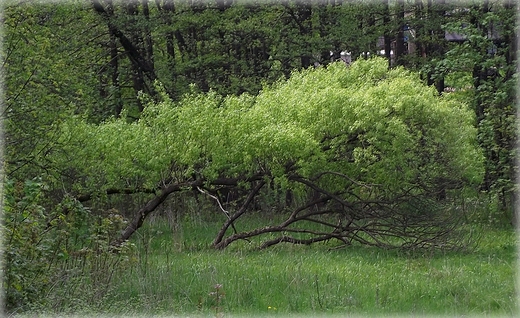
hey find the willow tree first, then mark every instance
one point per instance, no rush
(371, 155)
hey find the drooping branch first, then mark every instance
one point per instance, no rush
(214, 197)
(289, 239)
(165, 191)
(223, 243)
(405, 221)
(236, 215)
(141, 215)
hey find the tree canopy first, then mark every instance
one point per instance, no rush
(341, 129)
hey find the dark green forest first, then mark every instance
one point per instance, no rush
(385, 123)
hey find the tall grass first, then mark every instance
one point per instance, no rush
(175, 272)
(170, 269)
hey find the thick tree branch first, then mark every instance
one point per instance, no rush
(236, 215)
(288, 239)
(141, 215)
(88, 196)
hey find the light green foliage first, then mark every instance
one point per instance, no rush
(371, 124)
(113, 154)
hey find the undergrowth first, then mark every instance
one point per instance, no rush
(172, 270)
(317, 279)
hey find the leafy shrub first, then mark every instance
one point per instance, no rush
(55, 257)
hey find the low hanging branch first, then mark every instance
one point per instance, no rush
(405, 221)
(151, 205)
(229, 222)
(141, 215)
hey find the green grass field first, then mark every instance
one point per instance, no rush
(176, 273)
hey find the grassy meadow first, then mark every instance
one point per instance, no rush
(172, 271)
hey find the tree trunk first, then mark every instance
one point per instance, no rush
(419, 28)
(387, 39)
(114, 65)
(167, 9)
(148, 34)
(137, 73)
(437, 48)
(301, 16)
(137, 60)
(400, 49)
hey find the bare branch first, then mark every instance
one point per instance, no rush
(216, 199)
(220, 205)
(242, 210)
(288, 239)
(141, 215)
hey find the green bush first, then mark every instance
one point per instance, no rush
(55, 258)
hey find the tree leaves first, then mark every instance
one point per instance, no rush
(380, 127)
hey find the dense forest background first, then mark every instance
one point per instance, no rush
(103, 61)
